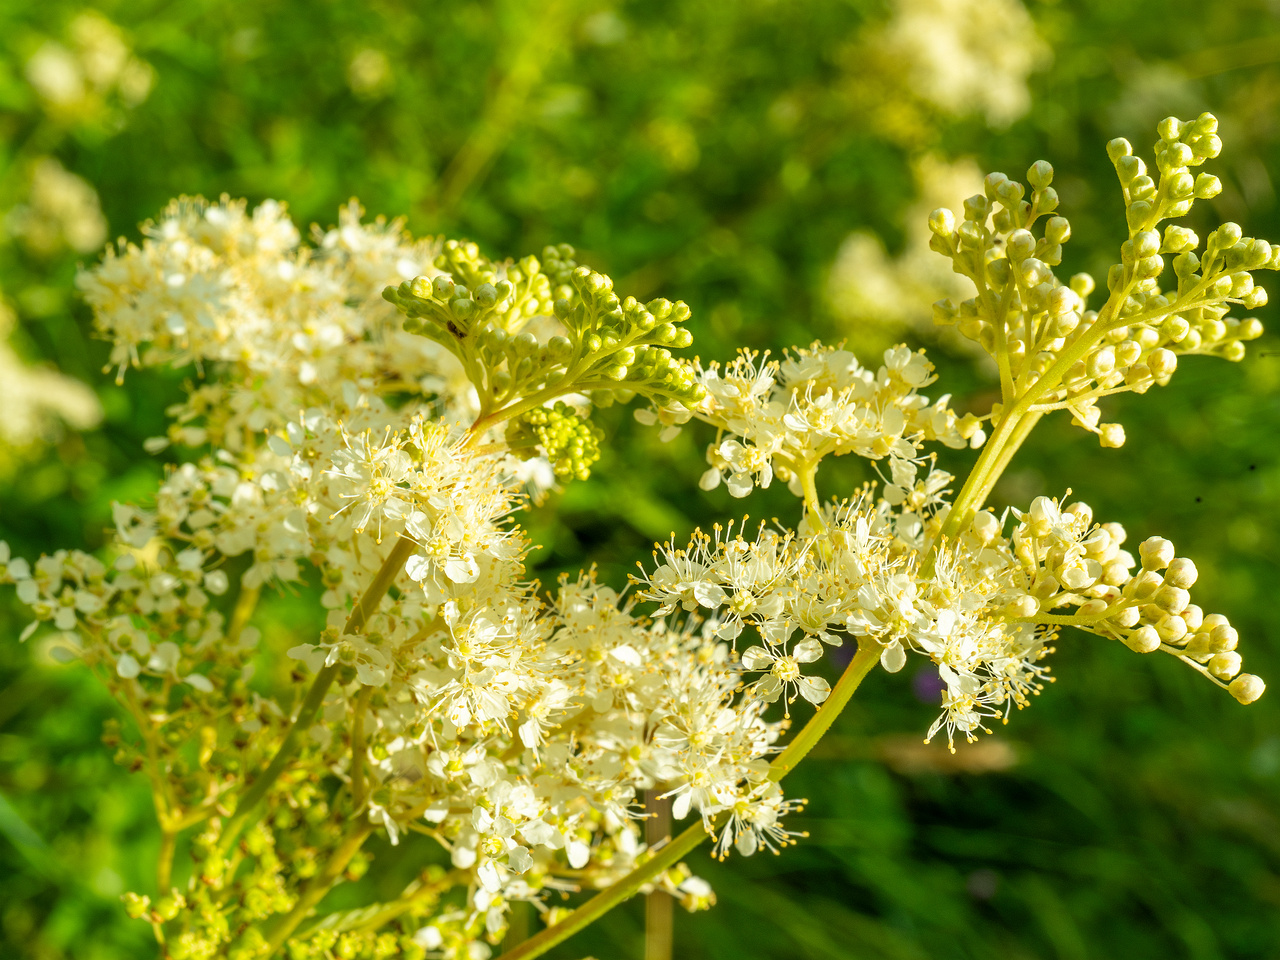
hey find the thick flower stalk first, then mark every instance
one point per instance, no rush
(375, 412)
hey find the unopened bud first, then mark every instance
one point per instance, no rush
(1022, 608)
(1162, 363)
(1224, 666)
(1247, 688)
(1223, 638)
(986, 526)
(942, 222)
(1156, 553)
(1181, 573)
(1111, 435)
(1143, 640)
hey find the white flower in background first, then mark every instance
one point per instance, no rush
(74, 79)
(37, 402)
(965, 55)
(868, 286)
(61, 211)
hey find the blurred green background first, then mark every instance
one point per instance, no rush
(770, 164)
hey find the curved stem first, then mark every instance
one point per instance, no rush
(364, 608)
(864, 659)
(671, 854)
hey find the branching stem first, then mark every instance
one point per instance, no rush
(364, 608)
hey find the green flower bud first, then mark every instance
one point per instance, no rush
(1057, 230)
(486, 295)
(135, 905)
(1020, 245)
(1207, 186)
(1142, 188)
(1258, 256)
(1174, 329)
(1205, 123)
(1128, 168)
(942, 222)
(1227, 235)
(1010, 192)
(1170, 128)
(1179, 240)
(1207, 147)
(168, 907)
(1149, 267)
(659, 308)
(1040, 174)
(977, 208)
(1118, 148)
(1181, 185)
(1138, 214)
(1146, 244)
(992, 183)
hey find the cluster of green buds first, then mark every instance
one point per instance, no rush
(1054, 352)
(570, 442)
(490, 315)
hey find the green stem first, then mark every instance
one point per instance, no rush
(659, 913)
(164, 863)
(868, 653)
(245, 605)
(808, 473)
(502, 111)
(364, 608)
(604, 901)
(357, 749)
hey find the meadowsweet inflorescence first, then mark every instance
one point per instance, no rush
(379, 411)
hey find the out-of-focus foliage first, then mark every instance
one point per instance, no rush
(723, 154)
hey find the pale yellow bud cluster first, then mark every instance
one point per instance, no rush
(1054, 353)
(1070, 561)
(1160, 615)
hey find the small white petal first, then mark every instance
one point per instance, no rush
(128, 667)
(814, 689)
(893, 658)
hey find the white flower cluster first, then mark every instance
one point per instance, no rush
(77, 79)
(36, 401)
(784, 416)
(448, 694)
(61, 211)
(517, 731)
(304, 326)
(964, 55)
